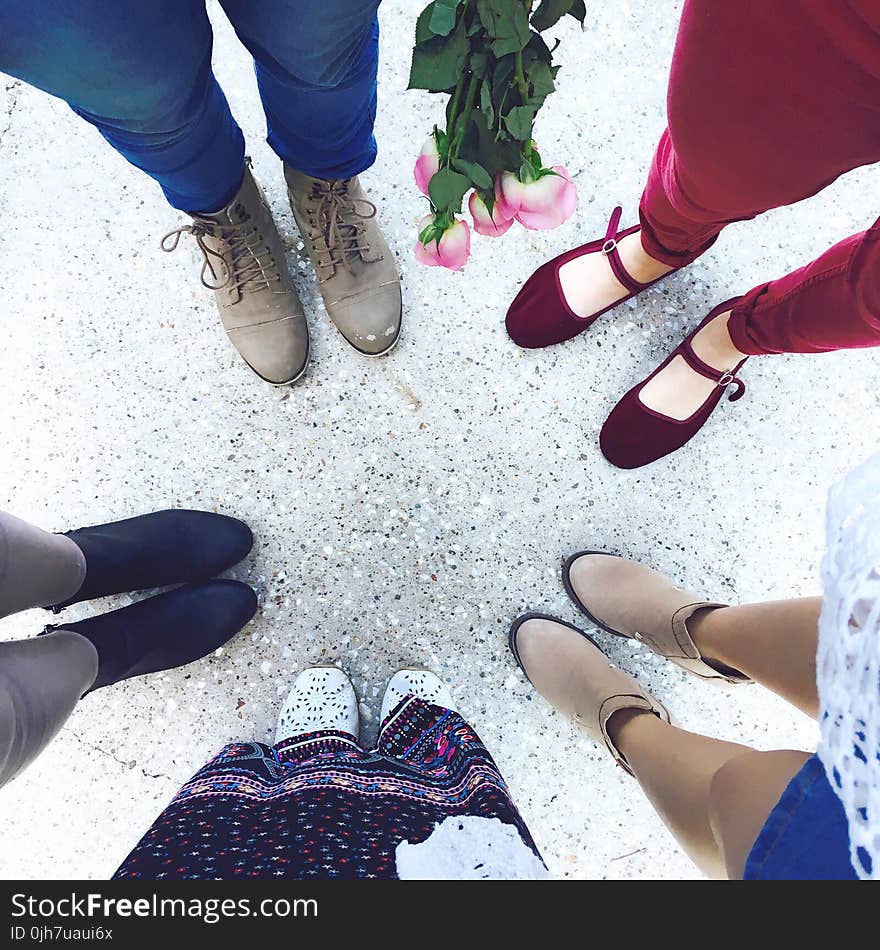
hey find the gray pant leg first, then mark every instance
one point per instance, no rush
(37, 569)
(41, 680)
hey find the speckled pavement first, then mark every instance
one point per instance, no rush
(405, 509)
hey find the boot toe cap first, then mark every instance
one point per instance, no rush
(370, 322)
(277, 352)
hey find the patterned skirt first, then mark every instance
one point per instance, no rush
(428, 802)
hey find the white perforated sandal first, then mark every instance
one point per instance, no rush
(423, 684)
(321, 698)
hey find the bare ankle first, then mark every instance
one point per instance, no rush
(638, 262)
(709, 628)
(625, 725)
(714, 345)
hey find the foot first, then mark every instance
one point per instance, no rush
(355, 267)
(245, 267)
(678, 391)
(588, 282)
(631, 600)
(321, 698)
(165, 631)
(567, 668)
(176, 546)
(419, 683)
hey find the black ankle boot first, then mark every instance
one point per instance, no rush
(167, 547)
(165, 631)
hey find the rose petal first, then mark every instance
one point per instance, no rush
(548, 202)
(427, 165)
(493, 225)
(511, 193)
(455, 246)
(426, 255)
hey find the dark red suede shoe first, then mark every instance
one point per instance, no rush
(634, 435)
(540, 315)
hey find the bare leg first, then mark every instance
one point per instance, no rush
(774, 643)
(714, 796)
(675, 769)
(743, 793)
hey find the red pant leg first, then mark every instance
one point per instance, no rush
(769, 101)
(831, 304)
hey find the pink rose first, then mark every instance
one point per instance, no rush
(541, 204)
(427, 165)
(489, 225)
(453, 249)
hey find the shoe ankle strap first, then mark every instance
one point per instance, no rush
(722, 378)
(609, 249)
(619, 702)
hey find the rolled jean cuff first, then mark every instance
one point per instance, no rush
(742, 312)
(320, 169)
(654, 249)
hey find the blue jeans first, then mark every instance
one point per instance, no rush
(140, 72)
(806, 836)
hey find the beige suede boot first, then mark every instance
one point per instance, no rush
(245, 267)
(570, 671)
(356, 271)
(631, 600)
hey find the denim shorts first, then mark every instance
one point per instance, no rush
(806, 836)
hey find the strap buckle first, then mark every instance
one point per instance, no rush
(609, 246)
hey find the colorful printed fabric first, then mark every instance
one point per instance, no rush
(319, 806)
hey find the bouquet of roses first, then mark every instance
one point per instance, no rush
(490, 58)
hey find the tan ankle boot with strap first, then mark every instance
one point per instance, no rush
(570, 671)
(631, 600)
(245, 267)
(356, 271)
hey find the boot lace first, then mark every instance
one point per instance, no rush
(339, 222)
(248, 266)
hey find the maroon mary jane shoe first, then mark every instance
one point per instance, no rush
(634, 435)
(540, 315)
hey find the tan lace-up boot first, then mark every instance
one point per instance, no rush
(245, 267)
(355, 267)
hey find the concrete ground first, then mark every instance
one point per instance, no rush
(405, 509)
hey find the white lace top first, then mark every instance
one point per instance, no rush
(848, 664)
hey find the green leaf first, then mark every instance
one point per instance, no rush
(579, 11)
(540, 75)
(519, 122)
(549, 13)
(442, 21)
(486, 106)
(481, 146)
(423, 24)
(479, 63)
(437, 63)
(476, 173)
(506, 23)
(538, 49)
(502, 79)
(447, 188)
